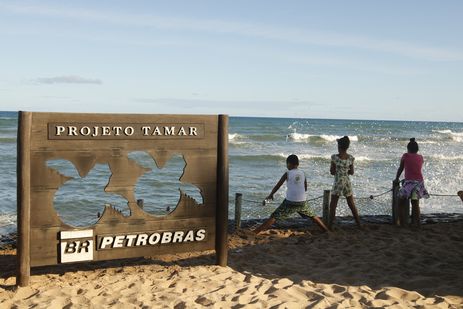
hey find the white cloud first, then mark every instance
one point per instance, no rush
(67, 79)
(263, 31)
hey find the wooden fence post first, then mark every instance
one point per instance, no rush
(23, 170)
(221, 230)
(395, 203)
(326, 206)
(238, 203)
(404, 213)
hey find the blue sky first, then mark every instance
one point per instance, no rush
(311, 59)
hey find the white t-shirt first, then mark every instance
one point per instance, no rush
(295, 191)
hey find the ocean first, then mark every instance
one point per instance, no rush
(257, 152)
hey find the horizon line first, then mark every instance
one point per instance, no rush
(260, 117)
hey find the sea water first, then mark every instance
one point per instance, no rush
(257, 152)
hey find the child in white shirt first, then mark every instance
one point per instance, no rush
(295, 200)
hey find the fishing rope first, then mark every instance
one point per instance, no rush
(260, 202)
(373, 196)
(374, 204)
(445, 195)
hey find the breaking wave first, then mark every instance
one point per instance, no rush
(456, 136)
(301, 137)
(283, 156)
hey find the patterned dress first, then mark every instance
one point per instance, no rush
(342, 184)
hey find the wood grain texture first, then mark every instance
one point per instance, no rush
(24, 198)
(202, 154)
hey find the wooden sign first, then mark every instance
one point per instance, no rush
(89, 139)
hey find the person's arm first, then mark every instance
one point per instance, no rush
(351, 167)
(277, 186)
(333, 168)
(400, 170)
(305, 184)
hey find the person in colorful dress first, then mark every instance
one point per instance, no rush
(342, 165)
(413, 185)
(295, 201)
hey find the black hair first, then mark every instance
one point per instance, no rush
(412, 146)
(293, 159)
(344, 143)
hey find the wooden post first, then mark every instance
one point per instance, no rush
(404, 213)
(238, 203)
(23, 170)
(395, 203)
(326, 206)
(221, 233)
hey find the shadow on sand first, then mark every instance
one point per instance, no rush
(428, 261)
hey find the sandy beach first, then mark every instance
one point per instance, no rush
(379, 267)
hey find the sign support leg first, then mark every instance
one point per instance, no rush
(23, 169)
(221, 237)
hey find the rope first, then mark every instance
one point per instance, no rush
(447, 195)
(321, 196)
(256, 202)
(250, 201)
(371, 205)
(373, 196)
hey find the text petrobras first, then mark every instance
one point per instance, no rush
(149, 239)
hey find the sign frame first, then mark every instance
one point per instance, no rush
(41, 233)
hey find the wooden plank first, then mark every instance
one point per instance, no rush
(238, 203)
(41, 135)
(45, 241)
(395, 203)
(23, 197)
(222, 193)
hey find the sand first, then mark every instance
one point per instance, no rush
(379, 267)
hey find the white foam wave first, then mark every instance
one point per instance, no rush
(307, 156)
(332, 138)
(299, 136)
(362, 159)
(234, 138)
(7, 222)
(443, 131)
(456, 136)
(446, 158)
(326, 137)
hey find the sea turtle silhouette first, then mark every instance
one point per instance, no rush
(79, 200)
(160, 188)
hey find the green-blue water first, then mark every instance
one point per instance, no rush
(258, 148)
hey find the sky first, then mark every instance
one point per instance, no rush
(397, 60)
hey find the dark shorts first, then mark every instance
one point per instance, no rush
(287, 208)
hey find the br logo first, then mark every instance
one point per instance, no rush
(76, 246)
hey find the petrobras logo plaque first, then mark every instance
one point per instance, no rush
(147, 239)
(76, 246)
